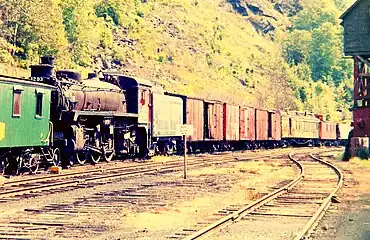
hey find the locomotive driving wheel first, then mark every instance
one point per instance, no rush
(56, 156)
(108, 150)
(33, 165)
(81, 157)
(95, 156)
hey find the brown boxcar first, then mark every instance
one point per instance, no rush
(231, 122)
(247, 124)
(261, 125)
(328, 131)
(274, 125)
(213, 120)
(195, 117)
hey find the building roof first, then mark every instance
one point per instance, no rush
(350, 9)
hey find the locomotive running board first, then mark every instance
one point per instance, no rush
(76, 114)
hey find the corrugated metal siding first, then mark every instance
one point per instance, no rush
(247, 124)
(328, 131)
(195, 117)
(167, 115)
(261, 125)
(231, 122)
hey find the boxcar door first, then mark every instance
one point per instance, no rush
(270, 125)
(207, 120)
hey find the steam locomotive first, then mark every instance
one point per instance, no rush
(63, 119)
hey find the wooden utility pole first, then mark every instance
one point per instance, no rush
(185, 160)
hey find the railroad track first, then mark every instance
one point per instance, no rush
(291, 211)
(68, 218)
(38, 186)
(26, 188)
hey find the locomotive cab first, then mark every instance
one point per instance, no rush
(139, 101)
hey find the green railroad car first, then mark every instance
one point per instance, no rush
(24, 113)
(24, 117)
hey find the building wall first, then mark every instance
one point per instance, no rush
(357, 29)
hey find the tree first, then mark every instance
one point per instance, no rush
(33, 32)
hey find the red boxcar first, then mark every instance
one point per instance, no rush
(231, 122)
(261, 125)
(328, 131)
(274, 125)
(213, 120)
(247, 124)
(195, 117)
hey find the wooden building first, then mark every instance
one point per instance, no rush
(356, 23)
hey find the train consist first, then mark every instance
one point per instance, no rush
(61, 118)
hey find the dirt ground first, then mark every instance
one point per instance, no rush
(158, 205)
(349, 219)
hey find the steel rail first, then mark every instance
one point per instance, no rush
(225, 221)
(87, 172)
(305, 232)
(133, 171)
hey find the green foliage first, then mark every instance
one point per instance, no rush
(108, 11)
(296, 47)
(315, 44)
(30, 31)
(189, 46)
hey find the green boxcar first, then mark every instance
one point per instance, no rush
(24, 113)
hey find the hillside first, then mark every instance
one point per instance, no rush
(231, 50)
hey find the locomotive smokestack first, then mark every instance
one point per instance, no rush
(48, 60)
(43, 71)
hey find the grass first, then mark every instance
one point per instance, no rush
(201, 48)
(204, 49)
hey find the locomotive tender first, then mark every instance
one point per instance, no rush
(53, 118)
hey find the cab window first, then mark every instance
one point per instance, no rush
(17, 102)
(39, 97)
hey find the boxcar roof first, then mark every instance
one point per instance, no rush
(24, 81)
(350, 9)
